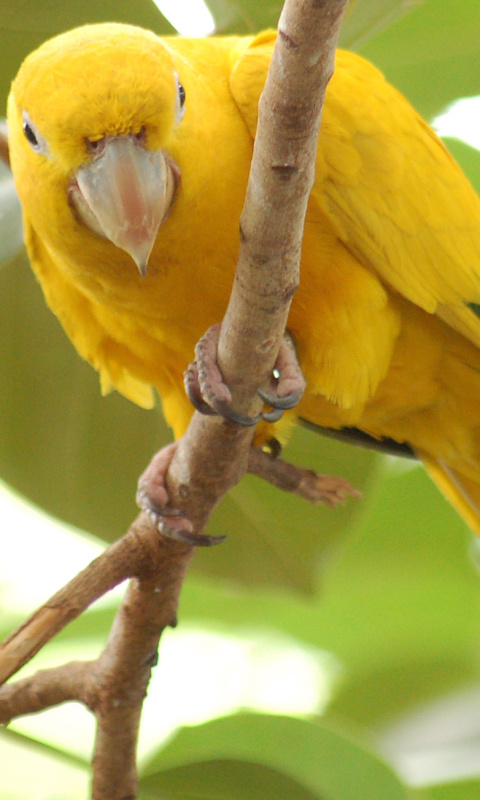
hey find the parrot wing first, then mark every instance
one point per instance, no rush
(397, 199)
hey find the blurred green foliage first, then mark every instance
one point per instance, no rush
(388, 585)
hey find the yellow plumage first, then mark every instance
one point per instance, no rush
(384, 320)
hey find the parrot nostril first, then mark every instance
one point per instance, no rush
(140, 137)
(96, 146)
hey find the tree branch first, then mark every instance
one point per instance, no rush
(120, 678)
(47, 688)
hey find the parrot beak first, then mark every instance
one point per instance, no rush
(125, 194)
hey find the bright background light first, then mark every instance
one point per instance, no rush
(461, 120)
(188, 17)
(39, 555)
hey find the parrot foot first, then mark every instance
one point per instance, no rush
(152, 499)
(209, 394)
(305, 483)
(205, 386)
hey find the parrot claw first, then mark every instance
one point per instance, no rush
(287, 384)
(280, 403)
(152, 499)
(209, 394)
(271, 416)
(227, 412)
(193, 539)
(185, 536)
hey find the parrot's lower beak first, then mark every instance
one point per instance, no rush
(125, 194)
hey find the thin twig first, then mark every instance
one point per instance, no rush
(47, 688)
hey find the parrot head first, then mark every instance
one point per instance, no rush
(91, 112)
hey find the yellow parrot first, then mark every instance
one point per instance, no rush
(131, 156)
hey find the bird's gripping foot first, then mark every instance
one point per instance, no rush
(153, 499)
(209, 393)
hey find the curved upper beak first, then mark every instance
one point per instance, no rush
(124, 194)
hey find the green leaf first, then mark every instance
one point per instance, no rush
(223, 780)
(393, 689)
(321, 760)
(95, 623)
(42, 747)
(53, 16)
(432, 54)
(365, 19)
(458, 790)
(52, 413)
(33, 769)
(244, 16)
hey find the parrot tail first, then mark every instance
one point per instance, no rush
(462, 492)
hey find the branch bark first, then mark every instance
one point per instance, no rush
(214, 454)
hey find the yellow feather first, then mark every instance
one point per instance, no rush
(384, 319)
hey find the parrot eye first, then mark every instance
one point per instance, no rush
(179, 100)
(181, 94)
(35, 140)
(29, 134)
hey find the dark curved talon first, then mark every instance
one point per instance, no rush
(273, 416)
(229, 413)
(154, 511)
(150, 507)
(282, 403)
(193, 539)
(287, 383)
